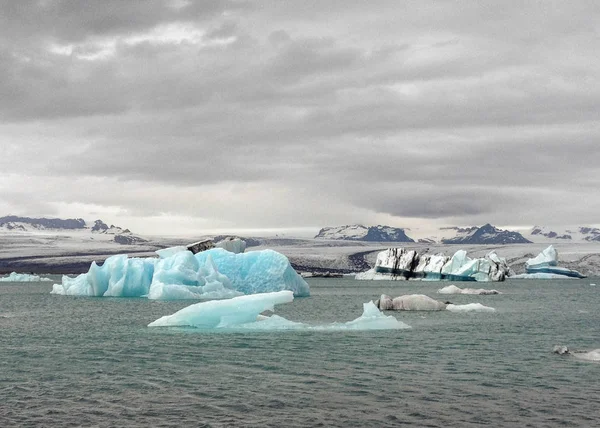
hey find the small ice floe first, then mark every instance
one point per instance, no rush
(580, 355)
(420, 302)
(453, 289)
(592, 284)
(23, 277)
(471, 307)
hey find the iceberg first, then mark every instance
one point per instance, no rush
(402, 264)
(420, 302)
(225, 313)
(257, 271)
(581, 355)
(453, 289)
(471, 307)
(210, 274)
(244, 312)
(410, 302)
(545, 266)
(23, 277)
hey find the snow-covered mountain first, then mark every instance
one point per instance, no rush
(568, 234)
(486, 234)
(358, 232)
(28, 225)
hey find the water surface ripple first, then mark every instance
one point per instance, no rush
(67, 361)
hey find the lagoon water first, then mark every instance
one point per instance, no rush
(68, 361)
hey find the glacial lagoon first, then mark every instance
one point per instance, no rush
(73, 361)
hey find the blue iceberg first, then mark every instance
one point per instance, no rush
(244, 312)
(23, 277)
(545, 265)
(212, 274)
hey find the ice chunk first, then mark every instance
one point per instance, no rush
(453, 289)
(581, 355)
(471, 307)
(23, 277)
(183, 275)
(410, 302)
(546, 263)
(588, 356)
(168, 252)
(257, 271)
(399, 263)
(119, 276)
(233, 245)
(225, 313)
(548, 257)
(541, 275)
(244, 312)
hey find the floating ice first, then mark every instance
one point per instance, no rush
(546, 263)
(257, 271)
(211, 274)
(244, 312)
(399, 263)
(453, 289)
(225, 313)
(541, 276)
(471, 307)
(410, 302)
(233, 245)
(581, 355)
(23, 277)
(182, 276)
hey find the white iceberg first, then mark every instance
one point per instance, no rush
(402, 264)
(470, 307)
(244, 312)
(545, 266)
(210, 274)
(581, 355)
(420, 302)
(409, 302)
(23, 277)
(453, 289)
(225, 313)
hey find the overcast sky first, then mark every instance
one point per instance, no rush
(171, 117)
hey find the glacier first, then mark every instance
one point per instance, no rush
(545, 266)
(244, 312)
(179, 274)
(403, 264)
(23, 277)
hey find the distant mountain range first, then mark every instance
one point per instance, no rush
(572, 234)
(13, 223)
(486, 234)
(358, 232)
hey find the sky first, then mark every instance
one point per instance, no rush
(176, 117)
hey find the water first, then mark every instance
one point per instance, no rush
(68, 361)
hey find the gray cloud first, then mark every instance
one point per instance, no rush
(302, 114)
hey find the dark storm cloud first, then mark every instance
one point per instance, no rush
(462, 112)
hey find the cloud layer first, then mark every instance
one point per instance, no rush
(233, 114)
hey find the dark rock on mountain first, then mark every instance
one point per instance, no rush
(488, 234)
(358, 232)
(44, 223)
